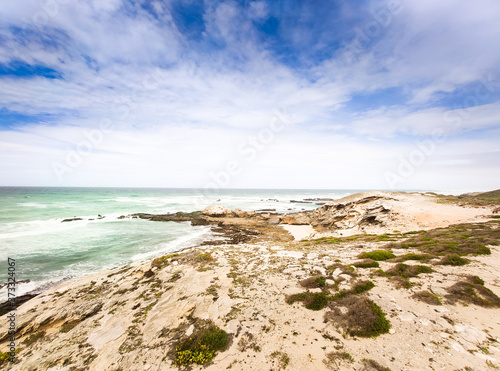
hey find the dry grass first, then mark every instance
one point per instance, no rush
(360, 317)
(427, 297)
(472, 291)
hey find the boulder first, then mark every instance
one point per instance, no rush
(216, 210)
(296, 219)
(240, 213)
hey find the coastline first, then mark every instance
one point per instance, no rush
(133, 316)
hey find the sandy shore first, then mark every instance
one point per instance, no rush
(135, 317)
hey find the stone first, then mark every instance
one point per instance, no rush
(216, 210)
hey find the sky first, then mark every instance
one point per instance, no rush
(368, 94)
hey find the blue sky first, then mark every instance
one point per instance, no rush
(297, 94)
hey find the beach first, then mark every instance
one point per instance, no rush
(405, 281)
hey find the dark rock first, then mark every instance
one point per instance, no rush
(7, 307)
(70, 220)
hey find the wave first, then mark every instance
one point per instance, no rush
(32, 204)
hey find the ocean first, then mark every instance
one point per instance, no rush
(48, 250)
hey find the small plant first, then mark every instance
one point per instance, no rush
(4, 357)
(411, 256)
(205, 257)
(492, 365)
(202, 346)
(427, 297)
(312, 301)
(321, 281)
(477, 280)
(283, 358)
(374, 365)
(313, 282)
(335, 359)
(378, 255)
(367, 263)
(162, 261)
(401, 272)
(361, 287)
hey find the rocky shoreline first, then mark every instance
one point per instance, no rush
(401, 281)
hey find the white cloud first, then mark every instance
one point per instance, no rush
(180, 114)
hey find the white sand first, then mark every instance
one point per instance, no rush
(299, 232)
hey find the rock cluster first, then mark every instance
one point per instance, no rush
(216, 210)
(346, 215)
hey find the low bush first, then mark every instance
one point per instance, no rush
(202, 346)
(378, 255)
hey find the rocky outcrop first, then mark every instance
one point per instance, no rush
(366, 211)
(296, 219)
(216, 210)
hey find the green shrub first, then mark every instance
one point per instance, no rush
(477, 280)
(378, 255)
(363, 318)
(202, 346)
(313, 282)
(367, 263)
(312, 301)
(453, 260)
(412, 256)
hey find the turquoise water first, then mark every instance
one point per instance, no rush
(48, 250)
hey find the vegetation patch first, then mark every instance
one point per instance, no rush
(357, 289)
(472, 291)
(346, 269)
(248, 341)
(367, 263)
(371, 364)
(283, 359)
(68, 326)
(312, 301)
(33, 338)
(318, 301)
(202, 346)
(460, 239)
(335, 359)
(427, 297)
(163, 261)
(313, 282)
(378, 255)
(401, 272)
(412, 256)
(205, 257)
(454, 260)
(4, 357)
(360, 317)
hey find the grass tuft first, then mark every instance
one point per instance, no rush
(371, 364)
(454, 260)
(427, 297)
(367, 263)
(378, 255)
